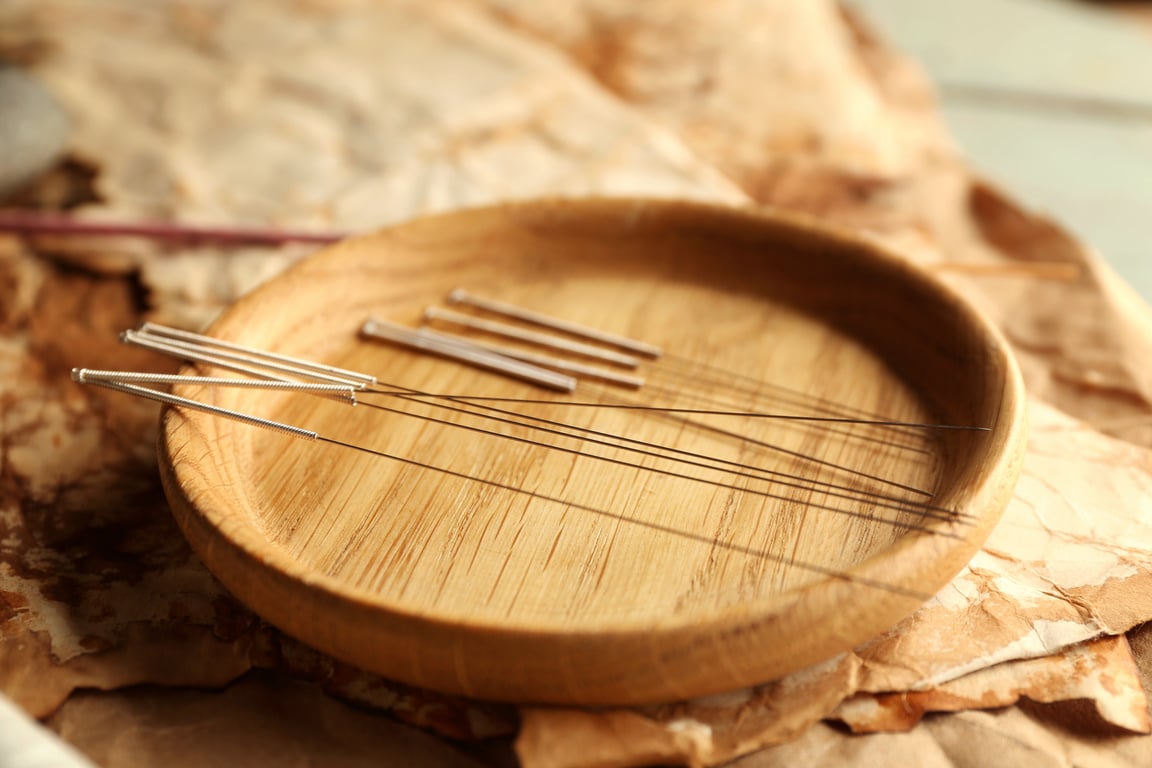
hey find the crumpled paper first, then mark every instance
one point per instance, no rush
(1102, 672)
(413, 148)
(261, 720)
(806, 109)
(344, 116)
(1004, 738)
(1071, 560)
(97, 588)
(776, 96)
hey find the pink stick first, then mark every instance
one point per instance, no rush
(36, 223)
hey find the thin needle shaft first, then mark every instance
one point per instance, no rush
(651, 449)
(382, 390)
(750, 551)
(939, 513)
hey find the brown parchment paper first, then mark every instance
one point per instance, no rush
(261, 720)
(348, 114)
(1070, 561)
(1102, 672)
(342, 116)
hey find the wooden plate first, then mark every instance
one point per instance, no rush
(572, 575)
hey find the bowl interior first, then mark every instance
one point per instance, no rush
(769, 454)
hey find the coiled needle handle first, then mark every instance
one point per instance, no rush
(184, 402)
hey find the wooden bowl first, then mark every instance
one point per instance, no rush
(571, 575)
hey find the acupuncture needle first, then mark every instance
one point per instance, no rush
(195, 340)
(188, 337)
(505, 330)
(461, 296)
(680, 413)
(658, 527)
(344, 392)
(311, 435)
(189, 349)
(381, 389)
(828, 429)
(183, 342)
(467, 298)
(693, 372)
(764, 474)
(928, 511)
(123, 380)
(810, 481)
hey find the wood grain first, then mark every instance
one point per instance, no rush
(562, 577)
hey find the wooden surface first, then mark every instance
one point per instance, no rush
(560, 577)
